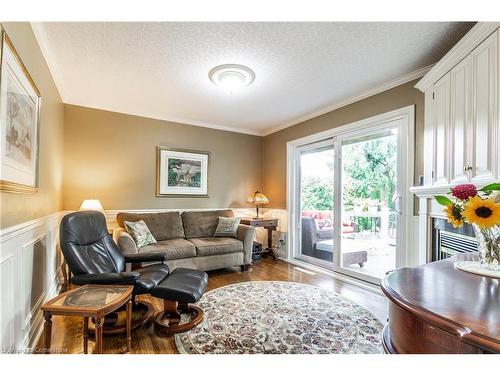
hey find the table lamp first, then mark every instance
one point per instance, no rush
(257, 198)
(91, 205)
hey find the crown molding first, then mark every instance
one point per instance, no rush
(175, 120)
(43, 43)
(363, 95)
(471, 40)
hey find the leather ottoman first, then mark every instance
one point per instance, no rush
(182, 287)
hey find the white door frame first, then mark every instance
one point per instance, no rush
(296, 219)
(406, 164)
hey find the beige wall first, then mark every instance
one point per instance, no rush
(18, 208)
(112, 157)
(274, 145)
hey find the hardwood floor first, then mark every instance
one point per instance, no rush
(67, 331)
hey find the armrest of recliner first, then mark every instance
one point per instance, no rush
(145, 257)
(106, 278)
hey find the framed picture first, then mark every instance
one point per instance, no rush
(19, 123)
(181, 173)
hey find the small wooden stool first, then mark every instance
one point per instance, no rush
(182, 287)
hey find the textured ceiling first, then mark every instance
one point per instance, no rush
(160, 70)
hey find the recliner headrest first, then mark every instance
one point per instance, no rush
(83, 227)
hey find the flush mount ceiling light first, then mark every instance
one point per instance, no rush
(231, 77)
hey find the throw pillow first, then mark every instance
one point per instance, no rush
(139, 232)
(227, 227)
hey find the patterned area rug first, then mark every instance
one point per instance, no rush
(280, 317)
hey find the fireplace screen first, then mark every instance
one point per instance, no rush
(449, 241)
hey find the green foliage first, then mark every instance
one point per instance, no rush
(317, 194)
(442, 200)
(370, 172)
(369, 179)
(491, 187)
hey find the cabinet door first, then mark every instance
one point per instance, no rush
(484, 109)
(460, 93)
(441, 116)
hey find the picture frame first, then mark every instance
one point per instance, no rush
(181, 173)
(20, 102)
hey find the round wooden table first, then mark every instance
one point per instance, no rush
(435, 308)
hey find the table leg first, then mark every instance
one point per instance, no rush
(99, 322)
(85, 334)
(47, 332)
(65, 277)
(129, 324)
(270, 241)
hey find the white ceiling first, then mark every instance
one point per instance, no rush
(160, 70)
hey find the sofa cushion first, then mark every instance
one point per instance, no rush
(202, 223)
(216, 245)
(176, 248)
(163, 225)
(227, 227)
(139, 232)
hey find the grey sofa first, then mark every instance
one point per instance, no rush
(188, 239)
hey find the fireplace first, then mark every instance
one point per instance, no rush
(448, 241)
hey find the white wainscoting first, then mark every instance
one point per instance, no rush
(30, 275)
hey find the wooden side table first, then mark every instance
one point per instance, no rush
(271, 224)
(89, 301)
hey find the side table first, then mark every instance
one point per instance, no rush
(89, 301)
(271, 224)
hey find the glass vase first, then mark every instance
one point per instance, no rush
(488, 240)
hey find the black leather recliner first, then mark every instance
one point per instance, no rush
(94, 258)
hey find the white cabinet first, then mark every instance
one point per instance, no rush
(441, 115)
(460, 121)
(463, 123)
(484, 110)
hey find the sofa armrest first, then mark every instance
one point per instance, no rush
(246, 234)
(125, 241)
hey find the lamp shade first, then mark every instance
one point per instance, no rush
(91, 205)
(258, 198)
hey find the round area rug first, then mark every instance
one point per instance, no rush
(280, 318)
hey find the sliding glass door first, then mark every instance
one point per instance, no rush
(348, 204)
(316, 201)
(370, 201)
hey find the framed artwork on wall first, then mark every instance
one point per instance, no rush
(19, 123)
(181, 173)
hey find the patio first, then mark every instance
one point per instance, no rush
(381, 252)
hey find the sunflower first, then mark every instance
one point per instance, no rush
(483, 212)
(454, 214)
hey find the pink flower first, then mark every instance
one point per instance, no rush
(464, 191)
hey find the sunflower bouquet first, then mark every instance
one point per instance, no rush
(481, 208)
